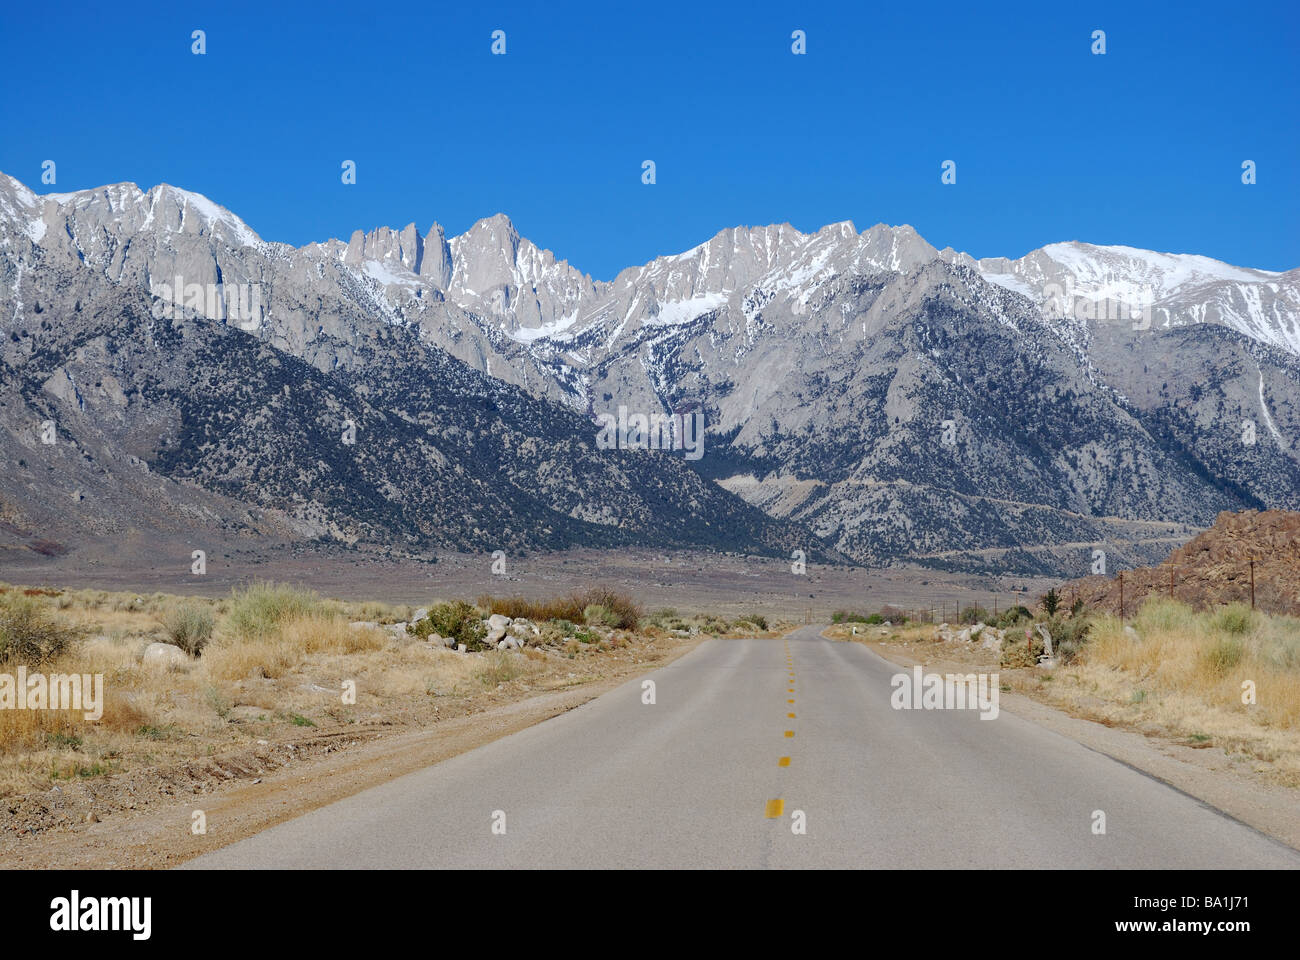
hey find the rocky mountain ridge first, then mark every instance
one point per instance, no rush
(902, 402)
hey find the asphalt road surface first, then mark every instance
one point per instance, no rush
(746, 742)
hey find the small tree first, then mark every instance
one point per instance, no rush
(1051, 600)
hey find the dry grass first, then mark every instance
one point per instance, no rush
(278, 652)
(1205, 659)
(153, 715)
(283, 652)
(1183, 677)
(622, 610)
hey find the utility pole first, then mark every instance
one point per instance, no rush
(1252, 583)
(1171, 581)
(1121, 596)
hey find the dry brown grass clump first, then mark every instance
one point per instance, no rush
(280, 651)
(1208, 661)
(622, 610)
(1225, 678)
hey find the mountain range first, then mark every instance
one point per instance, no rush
(866, 396)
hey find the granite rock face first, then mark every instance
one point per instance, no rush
(863, 390)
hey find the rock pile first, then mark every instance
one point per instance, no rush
(1213, 568)
(990, 638)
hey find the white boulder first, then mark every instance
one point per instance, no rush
(165, 656)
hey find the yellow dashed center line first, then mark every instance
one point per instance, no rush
(776, 807)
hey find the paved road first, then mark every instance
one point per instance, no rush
(694, 780)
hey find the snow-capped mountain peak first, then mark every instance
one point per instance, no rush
(492, 271)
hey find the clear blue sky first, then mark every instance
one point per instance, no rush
(1142, 146)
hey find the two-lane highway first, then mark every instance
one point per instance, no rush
(746, 741)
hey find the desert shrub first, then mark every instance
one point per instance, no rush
(512, 607)
(189, 626)
(553, 632)
(1009, 618)
(1224, 654)
(758, 620)
(1279, 645)
(28, 634)
(626, 613)
(1069, 637)
(848, 616)
(501, 666)
(892, 614)
(623, 609)
(1163, 615)
(1018, 652)
(600, 616)
(1235, 619)
(456, 620)
(973, 615)
(260, 609)
(711, 623)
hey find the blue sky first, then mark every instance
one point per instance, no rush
(1142, 146)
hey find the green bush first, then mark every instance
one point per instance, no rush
(1069, 637)
(1235, 619)
(972, 615)
(1018, 652)
(1009, 618)
(598, 615)
(1224, 654)
(189, 626)
(260, 609)
(28, 634)
(713, 624)
(1279, 645)
(456, 620)
(553, 632)
(1161, 615)
(758, 620)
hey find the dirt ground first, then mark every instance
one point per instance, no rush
(727, 584)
